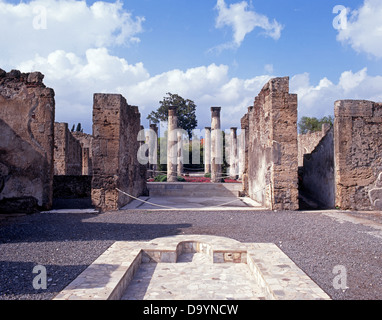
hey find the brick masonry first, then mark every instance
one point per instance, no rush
(317, 174)
(308, 142)
(270, 176)
(358, 154)
(115, 146)
(86, 141)
(27, 109)
(67, 151)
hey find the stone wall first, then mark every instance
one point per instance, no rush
(358, 154)
(307, 142)
(86, 141)
(67, 151)
(272, 163)
(244, 150)
(27, 109)
(318, 173)
(115, 146)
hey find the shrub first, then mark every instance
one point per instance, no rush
(163, 178)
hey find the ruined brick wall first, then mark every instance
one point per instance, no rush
(244, 151)
(272, 147)
(86, 141)
(115, 146)
(358, 154)
(27, 109)
(307, 142)
(318, 173)
(67, 151)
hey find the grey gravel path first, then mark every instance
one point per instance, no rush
(67, 243)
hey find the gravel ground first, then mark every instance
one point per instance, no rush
(67, 243)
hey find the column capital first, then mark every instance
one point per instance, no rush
(172, 110)
(215, 110)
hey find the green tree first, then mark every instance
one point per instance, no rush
(186, 112)
(79, 129)
(313, 124)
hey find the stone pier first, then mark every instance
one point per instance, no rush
(207, 150)
(115, 147)
(216, 146)
(233, 168)
(272, 163)
(172, 141)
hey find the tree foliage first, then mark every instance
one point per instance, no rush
(78, 128)
(186, 112)
(313, 124)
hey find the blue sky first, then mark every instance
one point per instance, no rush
(215, 52)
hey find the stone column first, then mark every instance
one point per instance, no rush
(233, 168)
(144, 141)
(180, 153)
(207, 150)
(172, 140)
(216, 146)
(153, 147)
(241, 154)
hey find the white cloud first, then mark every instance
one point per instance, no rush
(364, 29)
(70, 25)
(318, 101)
(243, 21)
(76, 79)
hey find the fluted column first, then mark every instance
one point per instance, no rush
(233, 166)
(153, 148)
(180, 153)
(207, 150)
(216, 146)
(172, 140)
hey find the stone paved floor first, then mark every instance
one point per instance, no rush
(194, 203)
(193, 277)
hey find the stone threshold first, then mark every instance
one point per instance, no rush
(109, 276)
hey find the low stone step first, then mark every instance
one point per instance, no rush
(187, 189)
